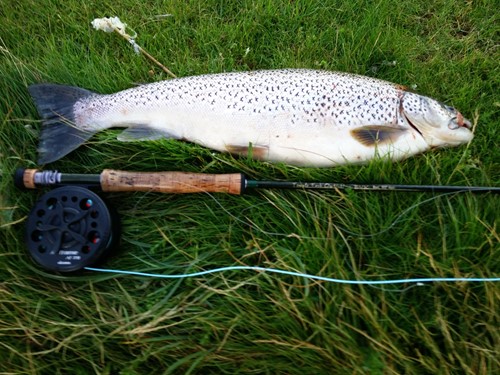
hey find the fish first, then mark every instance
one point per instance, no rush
(299, 117)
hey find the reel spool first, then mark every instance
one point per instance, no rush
(70, 228)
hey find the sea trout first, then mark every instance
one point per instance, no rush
(296, 116)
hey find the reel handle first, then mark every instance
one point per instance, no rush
(172, 182)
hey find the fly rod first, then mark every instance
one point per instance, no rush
(110, 180)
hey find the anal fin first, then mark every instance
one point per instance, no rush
(373, 135)
(257, 152)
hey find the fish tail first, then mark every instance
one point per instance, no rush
(60, 133)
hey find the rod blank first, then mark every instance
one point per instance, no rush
(370, 187)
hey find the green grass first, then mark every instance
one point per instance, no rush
(247, 322)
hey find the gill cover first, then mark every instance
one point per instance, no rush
(440, 125)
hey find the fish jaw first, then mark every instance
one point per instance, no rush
(439, 124)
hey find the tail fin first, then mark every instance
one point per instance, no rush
(60, 134)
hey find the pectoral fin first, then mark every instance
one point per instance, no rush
(253, 151)
(374, 135)
(143, 133)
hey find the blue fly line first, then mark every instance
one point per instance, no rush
(418, 281)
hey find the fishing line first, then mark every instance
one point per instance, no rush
(251, 224)
(374, 284)
(417, 281)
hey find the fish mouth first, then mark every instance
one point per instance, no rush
(462, 121)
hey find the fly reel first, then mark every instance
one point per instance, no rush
(70, 228)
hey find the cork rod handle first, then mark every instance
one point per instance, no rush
(172, 182)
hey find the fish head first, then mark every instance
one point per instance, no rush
(439, 124)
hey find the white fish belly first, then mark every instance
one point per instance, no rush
(270, 137)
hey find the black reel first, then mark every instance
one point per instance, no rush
(70, 228)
